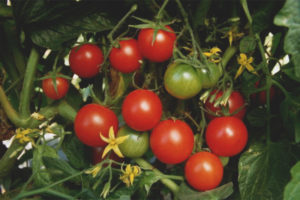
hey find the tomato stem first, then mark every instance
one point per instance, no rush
(159, 14)
(166, 181)
(230, 51)
(27, 89)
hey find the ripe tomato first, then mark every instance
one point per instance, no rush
(226, 136)
(91, 120)
(261, 97)
(141, 109)
(161, 49)
(97, 156)
(85, 60)
(62, 86)
(203, 171)
(127, 58)
(172, 141)
(235, 102)
(135, 145)
(210, 75)
(182, 81)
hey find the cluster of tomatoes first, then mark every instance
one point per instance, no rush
(171, 140)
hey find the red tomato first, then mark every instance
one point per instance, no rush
(85, 60)
(172, 141)
(97, 156)
(203, 171)
(261, 97)
(226, 136)
(127, 58)
(141, 110)
(235, 102)
(93, 119)
(62, 86)
(161, 49)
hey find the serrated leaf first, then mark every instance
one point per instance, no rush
(247, 44)
(75, 152)
(222, 192)
(289, 16)
(292, 189)
(264, 171)
(147, 179)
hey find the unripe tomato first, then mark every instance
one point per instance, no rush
(182, 81)
(235, 102)
(226, 136)
(93, 119)
(161, 49)
(127, 58)
(136, 145)
(141, 109)
(203, 171)
(62, 86)
(210, 75)
(172, 141)
(85, 60)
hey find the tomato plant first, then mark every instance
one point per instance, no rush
(97, 156)
(182, 81)
(226, 136)
(126, 58)
(141, 109)
(172, 141)
(158, 48)
(236, 105)
(203, 171)
(261, 97)
(91, 120)
(85, 60)
(136, 144)
(62, 86)
(210, 75)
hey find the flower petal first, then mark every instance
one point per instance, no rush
(117, 151)
(251, 69)
(104, 138)
(250, 60)
(131, 178)
(207, 54)
(111, 133)
(215, 50)
(121, 139)
(106, 150)
(239, 72)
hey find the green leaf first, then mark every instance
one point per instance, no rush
(42, 177)
(147, 179)
(289, 70)
(292, 189)
(289, 16)
(122, 193)
(60, 167)
(247, 44)
(201, 12)
(264, 171)
(222, 192)
(257, 117)
(76, 152)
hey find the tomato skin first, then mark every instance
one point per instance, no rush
(172, 141)
(261, 97)
(226, 136)
(62, 86)
(91, 120)
(182, 81)
(210, 75)
(127, 58)
(85, 60)
(162, 48)
(141, 109)
(203, 171)
(136, 145)
(235, 102)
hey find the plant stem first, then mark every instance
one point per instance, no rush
(66, 111)
(159, 14)
(167, 182)
(45, 189)
(28, 84)
(110, 35)
(11, 113)
(246, 10)
(230, 51)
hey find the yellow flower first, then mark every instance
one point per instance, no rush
(113, 143)
(244, 63)
(129, 174)
(37, 116)
(22, 135)
(213, 54)
(94, 171)
(233, 34)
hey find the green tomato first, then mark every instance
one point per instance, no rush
(182, 81)
(210, 75)
(224, 160)
(136, 144)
